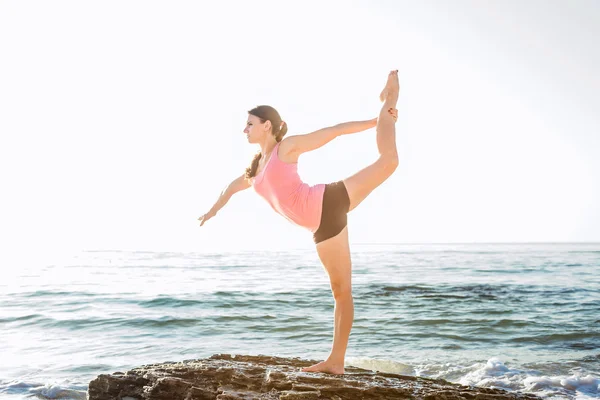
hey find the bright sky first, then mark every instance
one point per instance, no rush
(121, 121)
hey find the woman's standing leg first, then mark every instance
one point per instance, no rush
(335, 256)
(335, 252)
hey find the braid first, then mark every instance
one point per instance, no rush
(251, 170)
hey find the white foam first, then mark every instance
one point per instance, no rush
(60, 391)
(587, 384)
(493, 374)
(48, 391)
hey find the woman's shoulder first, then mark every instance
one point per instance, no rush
(285, 152)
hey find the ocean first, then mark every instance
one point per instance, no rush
(521, 317)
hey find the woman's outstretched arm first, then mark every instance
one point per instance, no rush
(299, 144)
(235, 186)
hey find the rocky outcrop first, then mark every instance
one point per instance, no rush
(227, 377)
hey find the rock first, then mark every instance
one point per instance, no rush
(227, 377)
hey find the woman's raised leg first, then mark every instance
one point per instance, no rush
(361, 184)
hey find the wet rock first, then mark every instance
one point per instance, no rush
(227, 377)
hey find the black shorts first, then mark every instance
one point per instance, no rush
(334, 216)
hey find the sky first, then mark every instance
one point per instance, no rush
(121, 121)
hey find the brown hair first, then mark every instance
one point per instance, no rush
(279, 129)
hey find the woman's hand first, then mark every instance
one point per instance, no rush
(394, 113)
(205, 217)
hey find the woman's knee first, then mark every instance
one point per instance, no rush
(341, 291)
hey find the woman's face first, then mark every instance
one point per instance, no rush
(255, 130)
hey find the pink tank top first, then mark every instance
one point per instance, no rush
(280, 185)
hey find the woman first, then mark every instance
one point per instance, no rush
(320, 208)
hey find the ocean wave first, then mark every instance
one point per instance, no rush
(153, 324)
(61, 293)
(559, 337)
(27, 317)
(44, 391)
(480, 292)
(493, 374)
(169, 302)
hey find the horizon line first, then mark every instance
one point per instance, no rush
(243, 248)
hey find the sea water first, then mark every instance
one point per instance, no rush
(521, 317)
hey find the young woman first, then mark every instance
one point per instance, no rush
(320, 208)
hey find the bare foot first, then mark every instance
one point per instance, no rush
(391, 82)
(327, 367)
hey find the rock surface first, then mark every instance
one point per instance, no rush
(227, 377)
